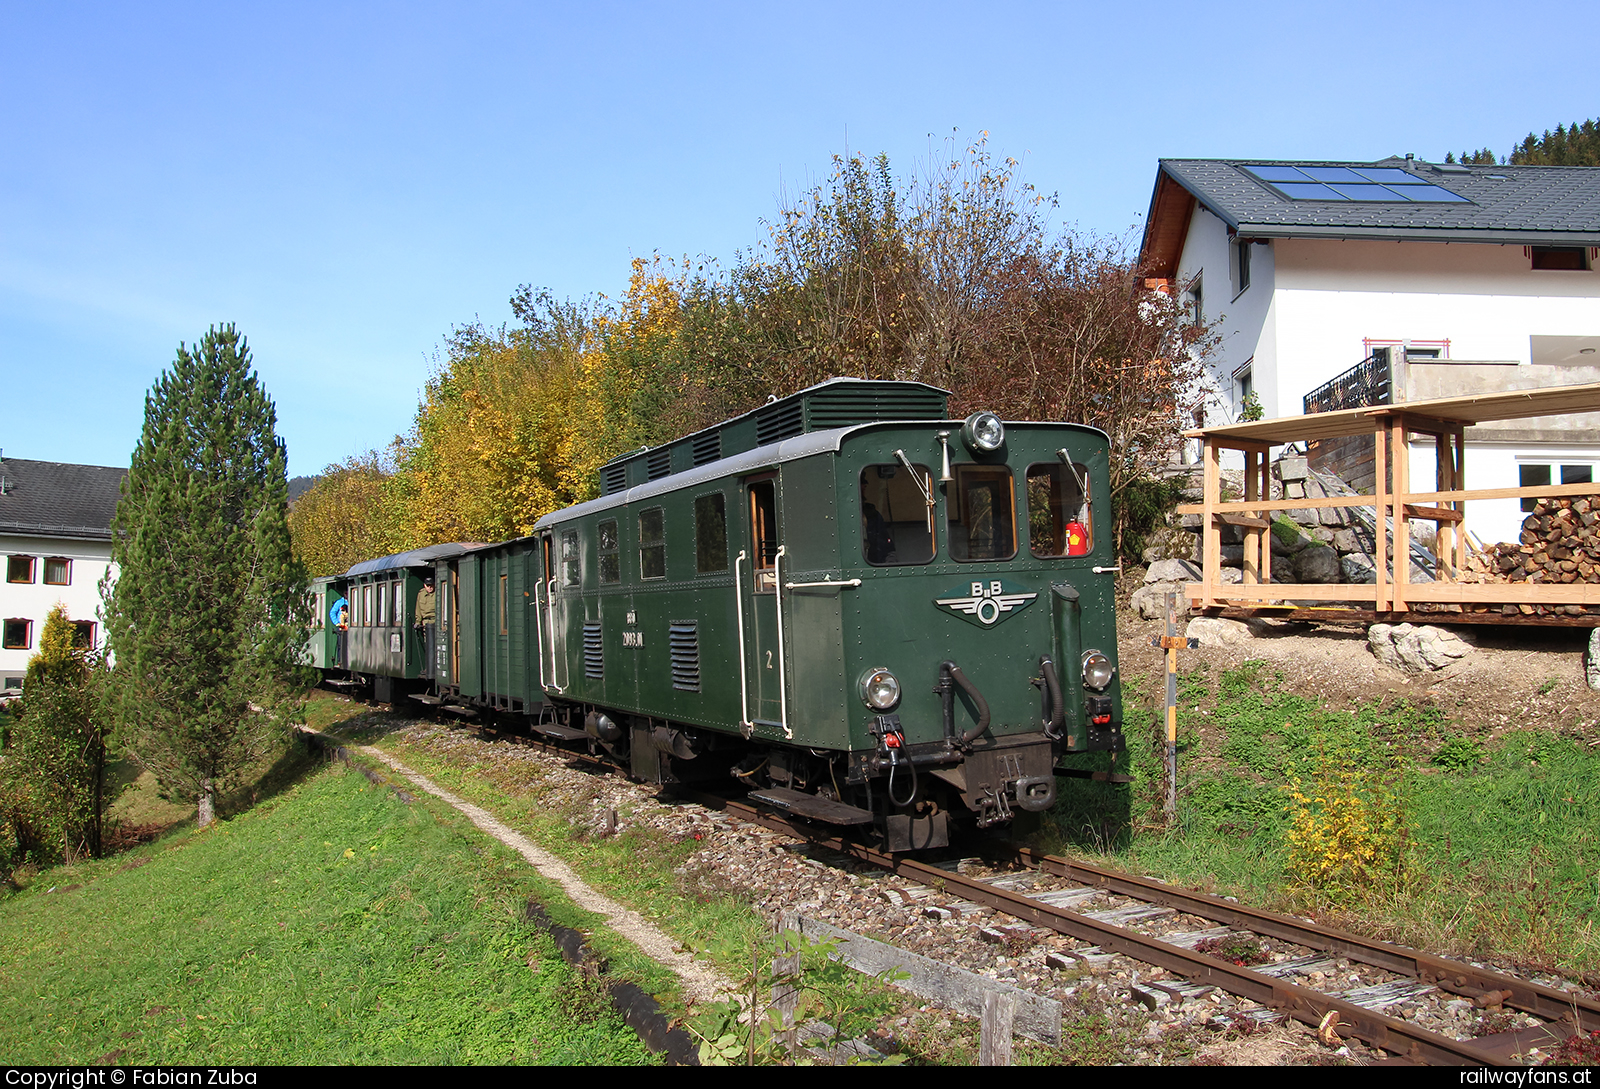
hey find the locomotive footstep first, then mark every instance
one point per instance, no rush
(810, 805)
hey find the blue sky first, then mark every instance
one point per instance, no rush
(347, 182)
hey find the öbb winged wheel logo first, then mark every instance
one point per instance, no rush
(985, 603)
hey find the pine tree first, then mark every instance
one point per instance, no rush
(208, 610)
(55, 771)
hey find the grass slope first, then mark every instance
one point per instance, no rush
(330, 924)
(1502, 839)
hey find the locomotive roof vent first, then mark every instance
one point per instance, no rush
(838, 402)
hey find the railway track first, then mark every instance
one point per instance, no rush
(1114, 927)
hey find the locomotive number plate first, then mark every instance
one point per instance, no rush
(633, 638)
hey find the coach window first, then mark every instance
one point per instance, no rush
(896, 520)
(1058, 510)
(381, 592)
(982, 517)
(652, 544)
(19, 569)
(400, 601)
(610, 562)
(366, 605)
(18, 635)
(571, 570)
(764, 534)
(57, 571)
(710, 534)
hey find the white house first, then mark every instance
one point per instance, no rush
(55, 545)
(1449, 279)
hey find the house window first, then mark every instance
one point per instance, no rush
(83, 634)
(18, 635)
(57, 572)
(1539, 476)
(1239, 259)
(12, 684)
(19, 569)
(1194, 303)
(1561, 258)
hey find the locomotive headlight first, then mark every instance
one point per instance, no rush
(983, 432)
(880, 690)
(1097, 670)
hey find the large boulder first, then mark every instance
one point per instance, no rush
(1170, 543)
(1316, 563)
(1172, 571)
(1416, 648)
(1150, 601)
(1215, 631)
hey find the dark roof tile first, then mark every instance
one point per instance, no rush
(49, 499)
(1558, 205)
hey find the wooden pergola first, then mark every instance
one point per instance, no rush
(1391, 427)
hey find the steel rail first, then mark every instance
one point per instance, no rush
(1450, 975)
(1301, 1003)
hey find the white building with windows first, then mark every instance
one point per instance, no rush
(1441, 279)
(55, 544)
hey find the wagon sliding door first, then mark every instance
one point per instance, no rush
(762, 651)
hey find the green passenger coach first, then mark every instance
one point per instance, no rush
(867, 613)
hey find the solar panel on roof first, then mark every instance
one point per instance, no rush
(1277, 173)
(1351, 184)
(1308, 191)
(1332, 174)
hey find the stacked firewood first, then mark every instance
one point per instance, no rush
(1559, 542)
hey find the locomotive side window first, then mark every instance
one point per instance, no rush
(1058, 510)
(570, 569)
(983, 522)
(764, 534)
(710, 534)
(652, 544)
(896, 521)
(610, 561)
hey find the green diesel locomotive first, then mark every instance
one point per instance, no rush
(867, 613)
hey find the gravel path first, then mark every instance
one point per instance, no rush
(702, 983)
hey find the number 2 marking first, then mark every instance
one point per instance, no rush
(769, 659)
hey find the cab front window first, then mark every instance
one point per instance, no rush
(982, 514)
(1058, 510)
(896, 520)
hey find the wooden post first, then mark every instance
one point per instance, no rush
(1265, 491)
(1252, 537)
(1380, 493)
(1211, 536)
(1400, 450)
(786, 993)
(1461, 485)
(999, 1011)
(1444, 476)
(1172, 705)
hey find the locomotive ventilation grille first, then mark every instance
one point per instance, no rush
(658, 463)
(847, 405)
(684, 640)
(782, 421)
(707, 447)
(613, 478)
(594, 664)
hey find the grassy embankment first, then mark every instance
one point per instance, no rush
(1499, 842)
(330, 923)
(645, 868)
